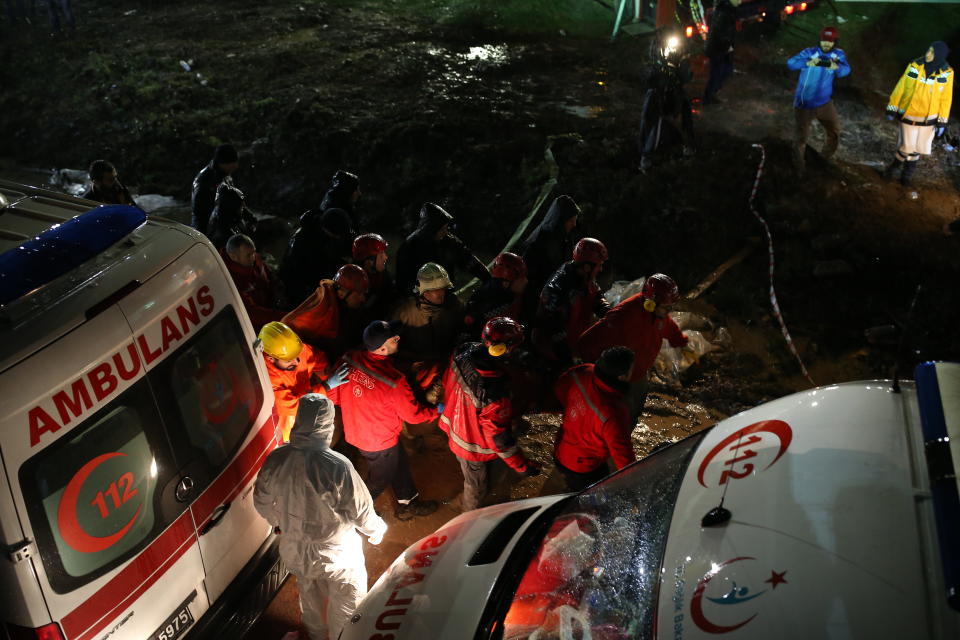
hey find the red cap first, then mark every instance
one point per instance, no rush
(829, 34)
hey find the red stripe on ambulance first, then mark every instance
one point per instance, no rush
(91, 389)
(121, 591)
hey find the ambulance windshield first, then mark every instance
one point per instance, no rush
(596, 572)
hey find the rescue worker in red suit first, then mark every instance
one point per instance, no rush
(477, 410)
(327, 320)
(295, 370)
(259, 288)
(370, 253)
(641, 322)
(570, 303)
(501, 295)
(375, 401)
(596, 420)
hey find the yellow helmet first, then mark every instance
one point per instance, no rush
(280, 341)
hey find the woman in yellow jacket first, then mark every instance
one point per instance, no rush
(921, 101)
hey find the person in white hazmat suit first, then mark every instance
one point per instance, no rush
(316, 499)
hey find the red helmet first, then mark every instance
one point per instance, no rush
(509, 266)
(501, 333)
(350, 277)
(590, 250)
(367, 246)
(661, 288)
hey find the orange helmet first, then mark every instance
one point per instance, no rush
(590, 250)
(350, 277)
(509, 266)
(367, 246)
(499, 334)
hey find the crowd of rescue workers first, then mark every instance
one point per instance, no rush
(337, 330)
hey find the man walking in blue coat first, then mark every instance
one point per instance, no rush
(818, 66)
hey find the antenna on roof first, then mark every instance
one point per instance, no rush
(903, 335)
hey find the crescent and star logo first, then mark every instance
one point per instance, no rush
(68, 522)
(735, 458)
(723, 604)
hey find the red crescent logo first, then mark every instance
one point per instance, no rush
(70, 530)
(778, 428)
(696, 606)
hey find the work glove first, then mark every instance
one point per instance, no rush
(891, 115)
(533, 469)
(337, 378)
(940, 130)
(440, 407)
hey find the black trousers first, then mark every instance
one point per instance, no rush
(389, 467)
(577, 481)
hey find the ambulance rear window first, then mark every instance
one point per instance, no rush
(94, 497)
(97, 496)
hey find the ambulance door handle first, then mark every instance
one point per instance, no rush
(215, 518)
(184, 489)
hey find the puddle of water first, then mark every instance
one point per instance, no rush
(588, 112)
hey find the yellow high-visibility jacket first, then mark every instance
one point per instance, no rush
(921, 99)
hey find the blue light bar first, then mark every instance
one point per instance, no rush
(64, 247)
(938, 419)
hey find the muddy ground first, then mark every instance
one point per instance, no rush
(463, 117)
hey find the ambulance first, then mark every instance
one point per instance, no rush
(831, 513)
(134, 415)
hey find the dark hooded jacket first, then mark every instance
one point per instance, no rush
(422, 247)
(229, 217)
(204, 195)
(491, 300)
(723, 29)
(340, 193)
(317, 249)
(549, 245)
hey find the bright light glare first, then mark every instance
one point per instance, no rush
(153, 468)
(673, 42)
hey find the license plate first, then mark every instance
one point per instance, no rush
(177, 622)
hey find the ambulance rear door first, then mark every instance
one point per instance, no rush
(215, 401)
(94, 481)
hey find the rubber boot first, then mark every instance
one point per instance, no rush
(892, 169)
(909, 168)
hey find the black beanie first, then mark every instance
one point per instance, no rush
(613, 363)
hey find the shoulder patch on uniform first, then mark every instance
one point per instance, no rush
(942, 79)
(913, 74)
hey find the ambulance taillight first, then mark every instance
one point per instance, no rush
(46, 632)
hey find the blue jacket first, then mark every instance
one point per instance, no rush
(815, 86)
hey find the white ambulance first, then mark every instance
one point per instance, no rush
(134, 415)
(831, 513)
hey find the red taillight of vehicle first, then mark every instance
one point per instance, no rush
(689, 32)
(803, 6)
(703, 27)
(46, 632)
(789, 9)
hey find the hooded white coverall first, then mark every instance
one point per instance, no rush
(318, 501)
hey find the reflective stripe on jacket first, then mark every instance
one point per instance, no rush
(478, 412)
(918, 98)
(595, 422)
(375, 400)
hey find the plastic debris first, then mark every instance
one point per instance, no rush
(185, 65)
